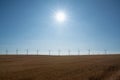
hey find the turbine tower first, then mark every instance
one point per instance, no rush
(16, 51)
(59, 52)
(27, 51)
(37, 51)
(6, 51)
(49, 52)
(78, 51)
(69, 52)
(88, 51)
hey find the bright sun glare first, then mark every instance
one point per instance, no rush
(60, 16)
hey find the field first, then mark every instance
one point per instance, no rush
(93, 67)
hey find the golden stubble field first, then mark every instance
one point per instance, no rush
(94, 67)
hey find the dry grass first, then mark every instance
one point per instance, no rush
(102, 67)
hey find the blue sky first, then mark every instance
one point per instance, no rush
(93, 24)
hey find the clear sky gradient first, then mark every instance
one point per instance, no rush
(93, 24)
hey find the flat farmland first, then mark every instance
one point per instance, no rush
(31, 67)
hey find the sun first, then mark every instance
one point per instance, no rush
(60, 16)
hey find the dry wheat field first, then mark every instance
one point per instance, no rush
(33, 67)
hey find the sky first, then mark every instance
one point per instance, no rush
(89, 24)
